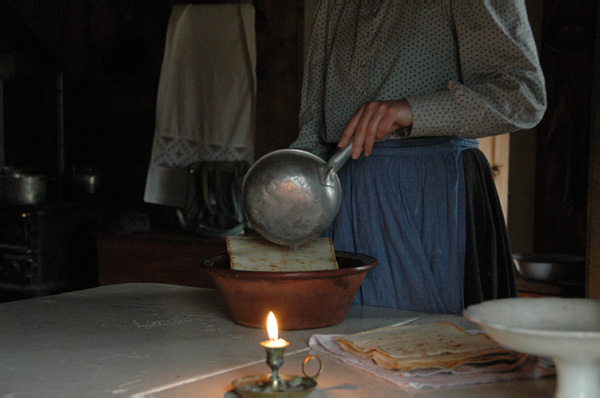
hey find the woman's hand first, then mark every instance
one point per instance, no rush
(372, 122)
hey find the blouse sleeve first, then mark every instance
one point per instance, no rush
(311, 121)
(502, 86)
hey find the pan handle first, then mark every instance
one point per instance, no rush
(334, 164)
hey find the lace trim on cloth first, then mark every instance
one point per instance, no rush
(169, 178)
(178, 153)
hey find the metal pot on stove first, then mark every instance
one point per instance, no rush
(85, 180)
(22, 186)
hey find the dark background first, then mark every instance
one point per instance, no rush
(110, 52)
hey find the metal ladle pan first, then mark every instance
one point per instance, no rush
(291, 196)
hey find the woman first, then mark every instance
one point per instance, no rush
(412, 84)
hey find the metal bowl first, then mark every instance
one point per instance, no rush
(550, 267)
(291, 196)
(284, 199)
(300, 300)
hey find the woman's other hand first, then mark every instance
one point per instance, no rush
(372, 122)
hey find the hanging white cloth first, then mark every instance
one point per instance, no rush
(206, 96)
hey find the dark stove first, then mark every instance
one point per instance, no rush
(47, 249)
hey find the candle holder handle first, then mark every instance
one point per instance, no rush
(307, 360)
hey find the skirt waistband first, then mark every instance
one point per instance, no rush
(423, 146)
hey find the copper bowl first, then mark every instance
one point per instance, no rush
(299, 300)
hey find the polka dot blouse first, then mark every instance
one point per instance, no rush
(468, 68)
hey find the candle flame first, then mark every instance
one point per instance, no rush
(272, 327)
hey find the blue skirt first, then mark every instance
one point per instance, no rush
(405, 206)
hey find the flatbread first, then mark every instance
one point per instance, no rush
(433, 345)
(255, 253)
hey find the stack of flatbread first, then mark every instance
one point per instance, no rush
(255, 253)
(433, 345)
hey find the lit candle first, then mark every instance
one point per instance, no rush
(274, 340)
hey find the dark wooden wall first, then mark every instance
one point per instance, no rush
(279, 30)
(593, 238)
(567, 55)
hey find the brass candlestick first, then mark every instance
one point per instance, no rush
(274, 385)
(275, 360)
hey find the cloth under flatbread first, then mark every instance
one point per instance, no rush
(434, 345)
(468, 374)
(255, 253)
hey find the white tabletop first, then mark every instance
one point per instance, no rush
(155, 340)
